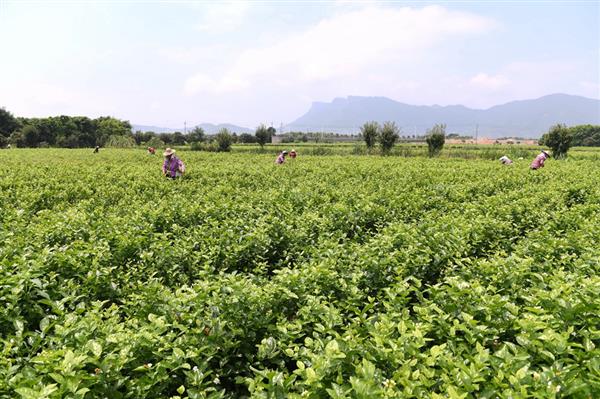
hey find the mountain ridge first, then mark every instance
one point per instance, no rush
(523, 118)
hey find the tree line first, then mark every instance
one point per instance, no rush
(60, 131)
(81, 131)
(560, 138)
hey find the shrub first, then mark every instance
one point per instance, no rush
(586, 135)
(369, 132)
(436, 137)
(197, 134)
(224, 140)
(388, 136)
(262, 134)
(205, 146)
(155, 142)
(119, 142)
(559, 138)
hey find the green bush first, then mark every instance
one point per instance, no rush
(370, 133)
(113, 141)
(155, 142)
(559, 138)
(348, 277)
(436, 137)
(205, 146)
(262, 135)
(224, 140)
(388, 135)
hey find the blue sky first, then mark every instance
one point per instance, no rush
(246, 62)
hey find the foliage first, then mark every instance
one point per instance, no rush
(205, 146)
(586, 135)
(389, 277)
(178, 138)
(68, 131)
(559, 138)
(435, 138)
(247, 138)
(8, 123)
(120, 142)
(370, 133)
(262, 135)
(143, 137)
(197, 135)
(224, 140)
(155, 142)
(108, 127)
(388, 136)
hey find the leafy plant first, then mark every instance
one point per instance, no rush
(435, 138)
(388, 136)
(559, 138)
(370, 133)
(224, 140)
(455, 278)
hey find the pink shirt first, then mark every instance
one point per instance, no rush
(280, 159)
(538, 162)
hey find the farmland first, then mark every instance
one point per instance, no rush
(332, 276)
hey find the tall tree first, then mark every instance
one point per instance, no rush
(559, 138)
(224, 140)
(262, 135)
(196, 135)
(8, 124)
(436, 137)
(388, 136)
(370, 132)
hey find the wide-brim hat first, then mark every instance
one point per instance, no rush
(545, 153)
(284, 152)
(168, 152)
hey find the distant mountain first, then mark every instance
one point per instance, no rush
(209, 128)
(528, 118)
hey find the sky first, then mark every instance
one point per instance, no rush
(249, 62)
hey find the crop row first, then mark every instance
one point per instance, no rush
(362, 277)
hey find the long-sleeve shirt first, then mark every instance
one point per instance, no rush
(280, 159)
(173, 166)
(538, 162)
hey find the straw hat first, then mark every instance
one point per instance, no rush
(168, 152)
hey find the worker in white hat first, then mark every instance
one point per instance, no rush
(173, 167)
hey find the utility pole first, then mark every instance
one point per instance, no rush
(476, 132)
(184, 127)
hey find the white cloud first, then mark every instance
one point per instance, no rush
(202, 83)
(223, 17)
(492, 82)
(344, 47)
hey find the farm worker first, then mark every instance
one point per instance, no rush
(293, 154)
(8, 146)
(281, 158)
(173, 167)
(505, 160)
(151, 150)
(538, 162)
(97, 149)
